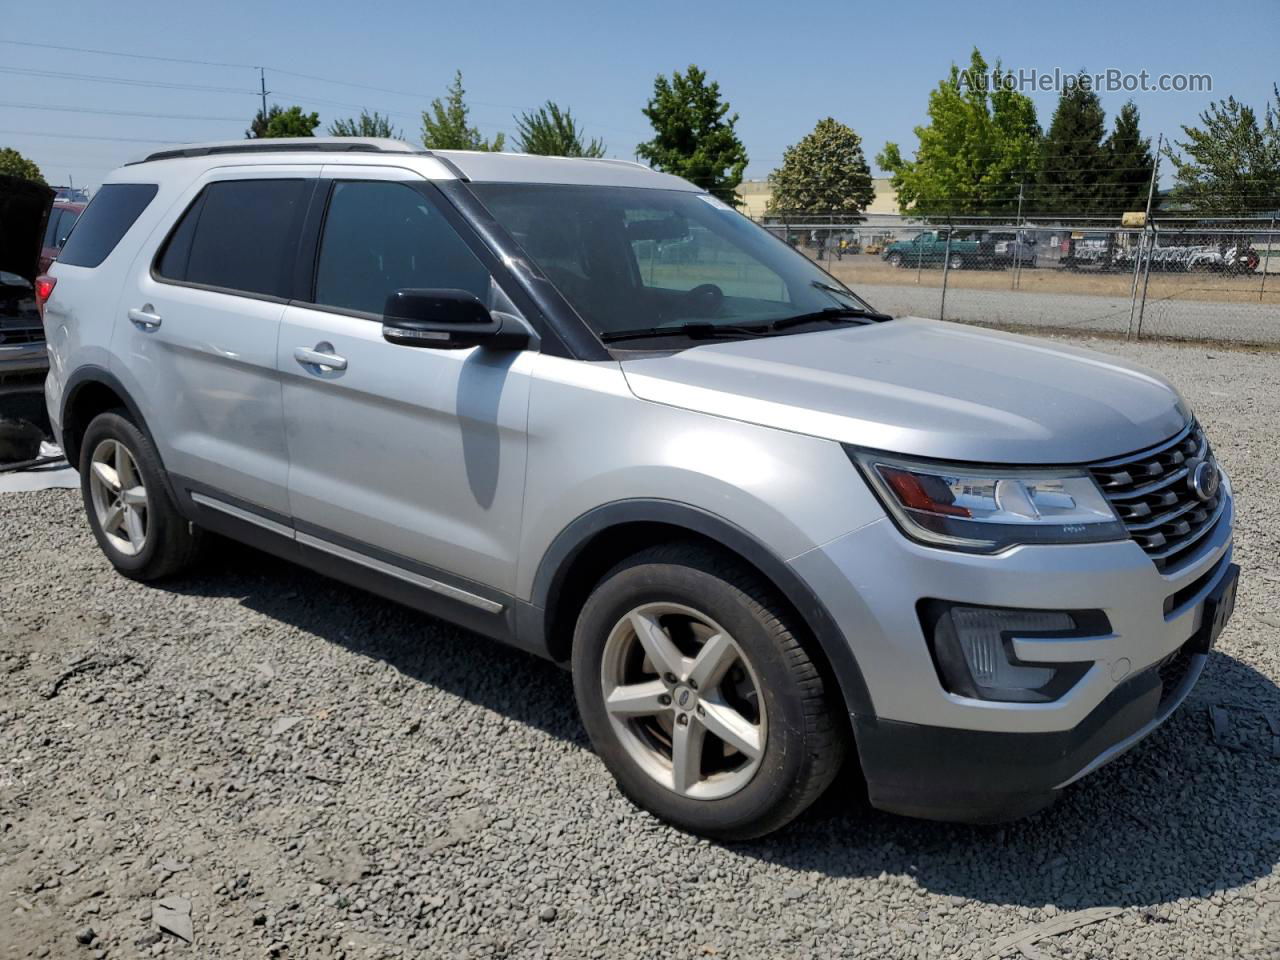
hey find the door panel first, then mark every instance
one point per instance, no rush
(207, 370)
(415, 451)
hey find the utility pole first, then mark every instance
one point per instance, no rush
(262, 81)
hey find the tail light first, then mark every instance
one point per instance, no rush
(44, 289)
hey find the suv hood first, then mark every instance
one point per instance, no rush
(924, 388)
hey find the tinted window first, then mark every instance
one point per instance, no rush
(105, 221)
(51, 227)
(381, 237)
(177, 250)
(66, 220)
(239, 235)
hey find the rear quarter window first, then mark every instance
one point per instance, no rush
(110, 214)
(239, 236)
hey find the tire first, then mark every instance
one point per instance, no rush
(770, 695)
(954, 262)
(894, 260)
(133, 516)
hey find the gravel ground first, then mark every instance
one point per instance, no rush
(296, 769)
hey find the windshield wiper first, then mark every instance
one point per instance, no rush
(694, 331)
(829, 314)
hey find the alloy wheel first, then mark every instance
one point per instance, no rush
(119, 497)
(684, 701)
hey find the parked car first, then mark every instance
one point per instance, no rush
(24, 206)
(62, 218)
(769, 529)
(930, 249)
(1002, 249)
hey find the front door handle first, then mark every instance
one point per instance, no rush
(144, 318)
(321, 355)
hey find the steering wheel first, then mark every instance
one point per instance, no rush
(705, 299)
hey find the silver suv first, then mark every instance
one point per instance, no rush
(586, 409)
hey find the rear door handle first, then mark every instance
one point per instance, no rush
(143, 317)
(321, 355)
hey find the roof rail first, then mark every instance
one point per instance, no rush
(284, 145)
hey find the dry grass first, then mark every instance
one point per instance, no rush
(867, 271)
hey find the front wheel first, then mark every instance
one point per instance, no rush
(700, 698)
(894, 260)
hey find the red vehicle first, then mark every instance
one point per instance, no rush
(62, 218)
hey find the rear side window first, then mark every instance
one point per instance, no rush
(238, 235)
(105, 221)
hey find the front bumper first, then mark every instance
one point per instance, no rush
(931, 753)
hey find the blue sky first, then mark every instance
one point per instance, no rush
(783, 66)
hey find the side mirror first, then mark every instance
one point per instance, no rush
(447, 320)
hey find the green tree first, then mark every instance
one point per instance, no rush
(1075, 168)
(293, 123)
(279, 122)
(1232, 162)
(14, 164)
(366, 125)
(694, 134)
(982, 143)
(553, 132)
(446, 127)
(258, 128)
(825, 172)
(1129, 162)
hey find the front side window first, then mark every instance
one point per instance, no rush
(238, 235)
(113, 210)
(632, 258)
(382, 236)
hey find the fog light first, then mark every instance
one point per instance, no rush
(973, 650)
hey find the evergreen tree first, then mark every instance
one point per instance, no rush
(366, 125)
(1075, 167)
(694, 134)
(1129, 161)
(553, 132)
(446, 126)
(825, 172)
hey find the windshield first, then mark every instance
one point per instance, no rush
(631, 259)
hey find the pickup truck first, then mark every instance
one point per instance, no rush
(930, 249)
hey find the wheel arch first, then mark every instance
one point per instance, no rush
(92, 390)
(587, 548)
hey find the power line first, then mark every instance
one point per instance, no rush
(131, 56)
(118, 113)
(126, 80)
(79, 136)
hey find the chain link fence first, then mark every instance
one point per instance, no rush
(1173, 279)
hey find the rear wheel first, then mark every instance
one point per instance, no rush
(699, 697)
(130, 510)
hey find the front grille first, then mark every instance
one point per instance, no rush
(1152, 495)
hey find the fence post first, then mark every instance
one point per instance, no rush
(1146, 279)
(1133, 292)
(946, 270)
(1266, 261)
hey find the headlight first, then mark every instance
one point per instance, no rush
(988, 509)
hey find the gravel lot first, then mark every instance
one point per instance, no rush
(318, 773)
